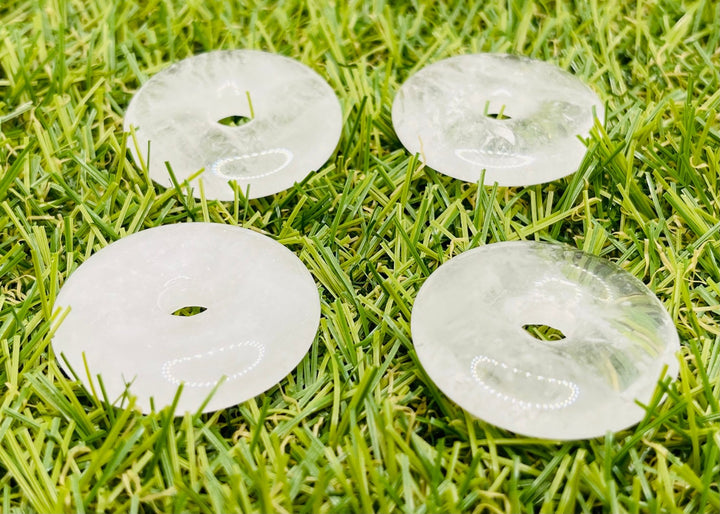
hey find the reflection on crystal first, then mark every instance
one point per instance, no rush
(618, 338)
(216, 359)
(253, 165)
(488, 159)
(566, 390)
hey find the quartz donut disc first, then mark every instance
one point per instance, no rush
(467, 326)
(262, 314)
(449, 113)
(295, 126)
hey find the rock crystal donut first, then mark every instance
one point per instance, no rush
(295, 126)
(262, 311)
(450, 113)
(467, 327)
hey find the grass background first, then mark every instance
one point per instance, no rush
(358, 426)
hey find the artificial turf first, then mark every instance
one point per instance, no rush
(358, 426)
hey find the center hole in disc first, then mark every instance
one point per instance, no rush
(189, 310)
(498, 116)
(496, 110)
(235, 120)
(544, 332)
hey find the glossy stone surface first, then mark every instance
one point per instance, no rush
(467, 328)
(262, 313)
(445, 112)
(295, 126)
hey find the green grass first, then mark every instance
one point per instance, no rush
(358, 426)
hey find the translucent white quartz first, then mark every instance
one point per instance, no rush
(445, 112)
(262, 314)
(467, 328)
(295, 126)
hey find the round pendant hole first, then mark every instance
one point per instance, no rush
(235, 120)
(544, 332)
(498, 116)
(496, 109)
(189, 310)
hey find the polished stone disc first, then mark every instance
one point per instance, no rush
(254, 311)
(260, 119)
(517, 118)
(470, 328)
